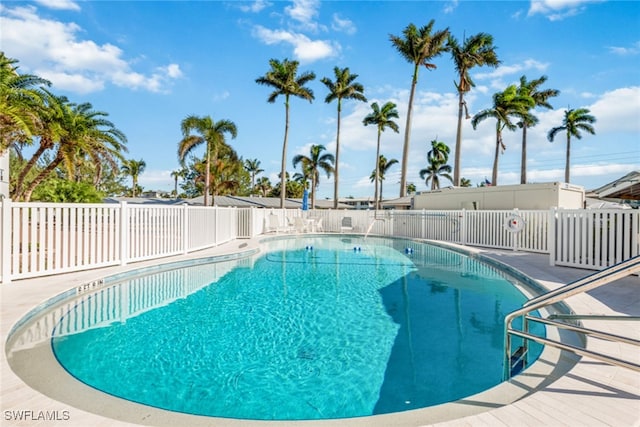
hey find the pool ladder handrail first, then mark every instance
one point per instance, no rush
(513, 363)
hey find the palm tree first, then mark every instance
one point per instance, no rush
(378, 175)
(540, 99)
(475, 51)
(411, 188)
(253, 167)
(464, 182)
(179, 173)
(312, 165)
(344, 87)
(439, 151)
(435, 170)
(85, 133)
(20, 103)
(505, 105)
(134, 169)
(418, 46)
(283, 78)
(208, 132)
(575, 120)
(382, 118)
(264, 186)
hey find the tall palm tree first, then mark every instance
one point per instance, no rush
(312, 164)
(418, 46)
(344, 87)
(506, 105)
(20, 103)
(85, 133)
(439, 151)
(378, 175)
(208, 132)
(477, 50)
(176, 174)
(540, 99)
(575, 120)
(134, 169)
(382, 118)
(436, 169)
(253, 167)
(284, 79)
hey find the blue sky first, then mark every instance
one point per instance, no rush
(149, 64)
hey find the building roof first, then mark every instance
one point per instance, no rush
(625, 188)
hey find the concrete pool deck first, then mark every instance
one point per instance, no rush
(587, 393)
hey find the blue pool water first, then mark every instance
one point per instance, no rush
(310, 329)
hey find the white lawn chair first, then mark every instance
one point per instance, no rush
(319, 226)
(274, 225)
(346, 225)
(300, 224)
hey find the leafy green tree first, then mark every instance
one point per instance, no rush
(284, 79)
(198, 130)
(411, 188)
(464, 182)
(312, 164)
(178, 174)
(133, 168)
(528, 120)
(264, 186)
(20, 104)
(58, 190)
(507, 105)
(382, 118)
(418, 46)
(85, 133)
(378, 176)
(574, 121)
(434, 171)
(476, 51)
(344, 87)
(439, 151)
(253, 167)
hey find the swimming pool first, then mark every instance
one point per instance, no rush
(318, 328)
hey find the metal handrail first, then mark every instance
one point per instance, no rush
(595, 280)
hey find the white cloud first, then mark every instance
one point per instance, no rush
(59, 4)
(557, 10)
(618, 111)
(304, 12)
(450, 6)
(255, 7)
(54, 51)
(634, 49)
(343, 25)
(304, 49)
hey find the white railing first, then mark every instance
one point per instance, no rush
(39, 239)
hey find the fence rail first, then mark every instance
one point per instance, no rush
(39, 239)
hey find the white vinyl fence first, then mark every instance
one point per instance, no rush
(40, 239)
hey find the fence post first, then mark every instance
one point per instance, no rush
(515, 234)
(124, 233)
(185, 228)
(5, 236)
(463, 227)
(551, 236)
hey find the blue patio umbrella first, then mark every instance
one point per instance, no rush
(305, 200)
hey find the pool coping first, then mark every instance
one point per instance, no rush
(486, 401)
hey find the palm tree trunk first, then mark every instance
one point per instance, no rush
(523, 162)
(335, 171)
(456, 162)
(41, 176)
(313, 191)
(567, 164)
(32, 161)
(376, 199)
(407, 135)
(494, 174)
(283, 170)
(134, 182)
